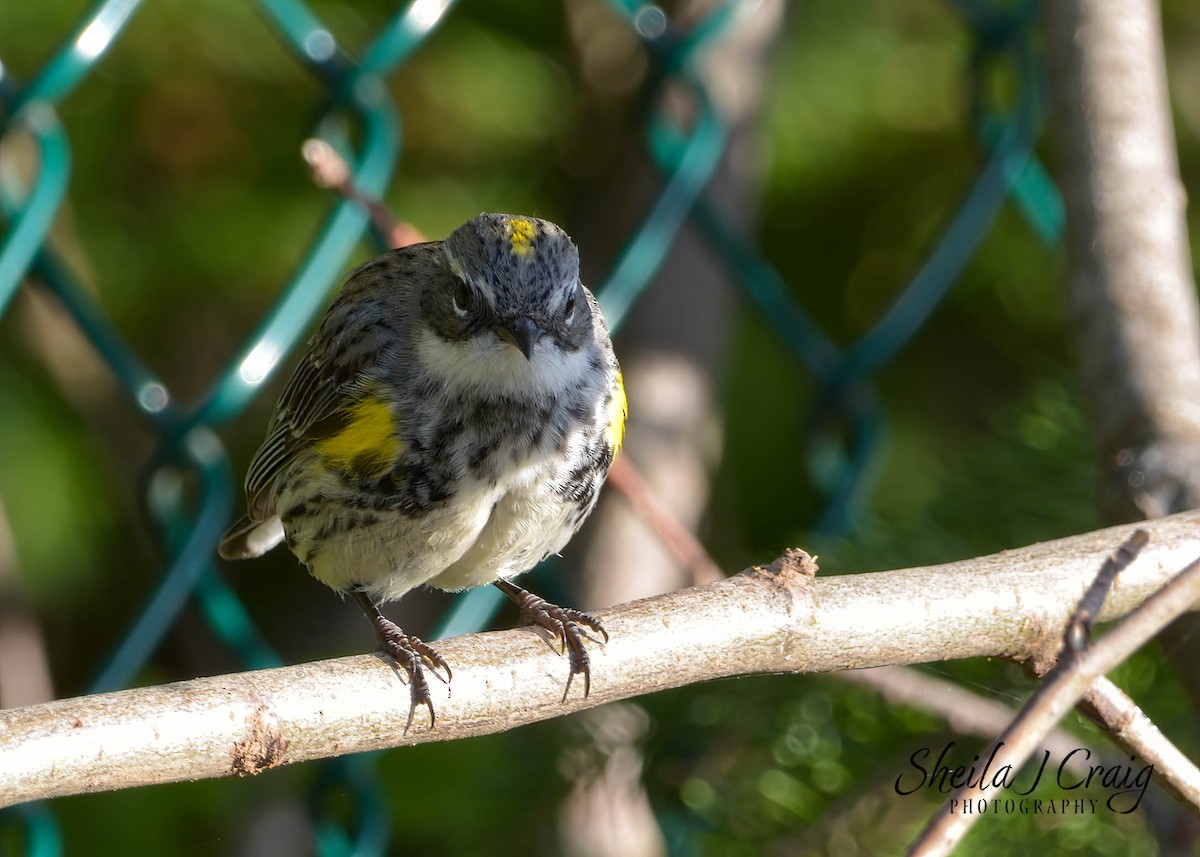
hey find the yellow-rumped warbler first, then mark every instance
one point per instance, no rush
(450, 424)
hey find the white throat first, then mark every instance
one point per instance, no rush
(488, 364)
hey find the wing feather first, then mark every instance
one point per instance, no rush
(333, 374)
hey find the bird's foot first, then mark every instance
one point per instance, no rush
(564, 623)
(410, 654)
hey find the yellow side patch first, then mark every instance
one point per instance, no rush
(620, 412)
(367, 445)
(521, 233)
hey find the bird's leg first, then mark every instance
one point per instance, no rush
(409, 653)
(563, 622)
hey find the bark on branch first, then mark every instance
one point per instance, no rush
(768, 619)
(1130, 287)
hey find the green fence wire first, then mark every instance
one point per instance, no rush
(841, 435)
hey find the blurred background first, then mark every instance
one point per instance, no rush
(835, 158)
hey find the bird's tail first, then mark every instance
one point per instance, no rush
(248, 538)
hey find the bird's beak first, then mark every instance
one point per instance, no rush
(521, 332)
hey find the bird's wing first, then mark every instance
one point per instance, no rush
(331, 393)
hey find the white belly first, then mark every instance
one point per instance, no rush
(482, 534)
(524, 527)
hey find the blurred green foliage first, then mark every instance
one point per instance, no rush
(189, 205)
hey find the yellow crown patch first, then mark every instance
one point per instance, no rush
(521, 233)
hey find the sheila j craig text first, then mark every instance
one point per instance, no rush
(1125, 784)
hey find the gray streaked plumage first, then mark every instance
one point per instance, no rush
(450, 422)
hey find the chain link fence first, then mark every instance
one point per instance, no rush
(191, 488)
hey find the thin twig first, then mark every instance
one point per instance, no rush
(1063, 688)
(966, 712)
(330, 171)
(1111, 708)
(24, 664)
(683, 545)
(1079, 629)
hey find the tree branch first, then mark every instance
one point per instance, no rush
(1130, 288)
(1064, 686)
(774, 619)
(966, 712)
(1111, 708)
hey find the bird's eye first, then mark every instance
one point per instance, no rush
(569, 307)
(464, 300)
